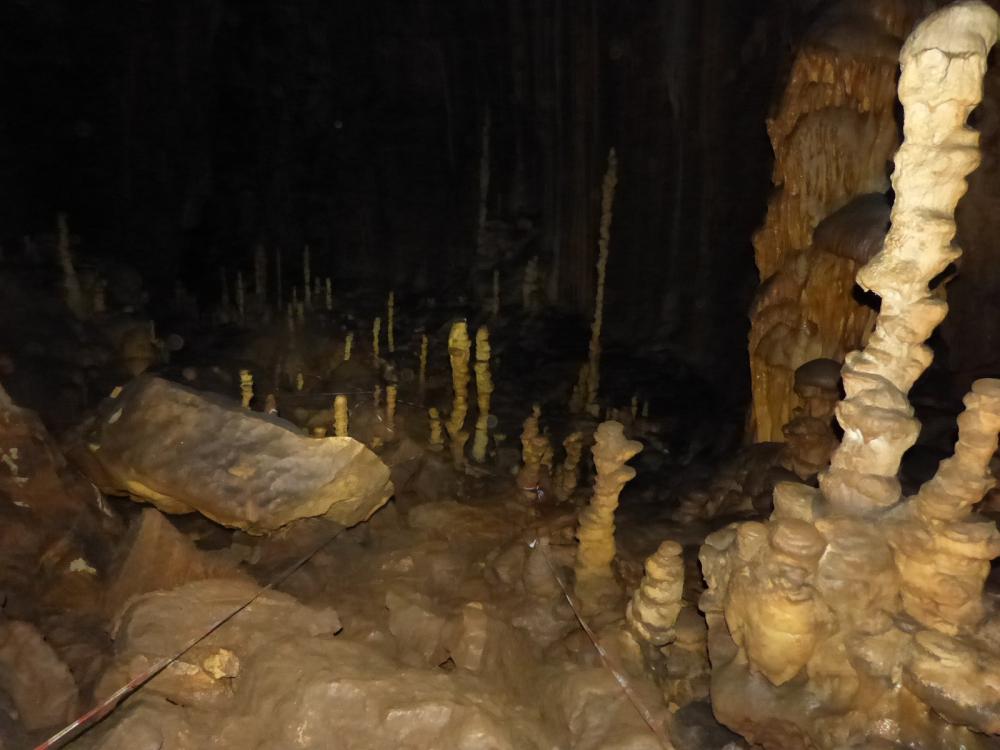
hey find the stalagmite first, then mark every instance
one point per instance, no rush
(271, 404)
(484, 391)
(568, 476)
(376, 338)
(329, 294)
(241, 310)
(596, 530)
(390, 322)
(391, 394)
(300, 382)
(850, 611)
(458, 352)
(652, 613)
(377, 397)
(340, 416)
(604, 242)
(422, 376)
(533, 480)
(246, 388)
(70, 281)
(437, 434)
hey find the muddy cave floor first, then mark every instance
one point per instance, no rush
(437, 623)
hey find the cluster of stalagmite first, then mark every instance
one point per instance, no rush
(833, 132)
(596, 530)
(604, 242)
(459, 348)
(652, 612)
(484, 391)
(851, 618)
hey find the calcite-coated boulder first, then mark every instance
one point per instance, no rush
(186, 451)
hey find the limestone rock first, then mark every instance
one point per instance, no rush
(186, 451)
(39, 684)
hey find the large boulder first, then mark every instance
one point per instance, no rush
(186, 451)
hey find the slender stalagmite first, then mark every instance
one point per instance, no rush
(390, 322)
(458, 352)
(391, 394)
(594, 359)
(71, 282)
(437, 434)
(422, 377)
(484, 390)
(340, 416)
(376, 338)
(329, 294)
(568, 477)
(348, 343)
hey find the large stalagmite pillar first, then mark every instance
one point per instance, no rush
(849, 618)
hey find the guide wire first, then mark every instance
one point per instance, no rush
(109, 704)
(655, 726)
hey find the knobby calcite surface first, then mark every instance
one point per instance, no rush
(855, 617)
(185, 451)
(833, 132)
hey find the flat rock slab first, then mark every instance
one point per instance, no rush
(186, 451)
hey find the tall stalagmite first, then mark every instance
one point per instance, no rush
(851, 619)
(594, 353)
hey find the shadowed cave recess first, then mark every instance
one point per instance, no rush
(510, 374)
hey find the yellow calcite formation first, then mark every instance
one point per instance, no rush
(459, 348)
(422, 376)
(536, 458)
(390, 322)
(246, 388)
(568, 475)
(348, 344)
(376, 338)
(437, 433)
(833, 131)
(596, 530)
(391, 395)
(484, 391)
(340, 416)
(849, 611)
(300, 381)
(604, 242)
(652, 613)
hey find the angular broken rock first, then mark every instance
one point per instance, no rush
(186, 451)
